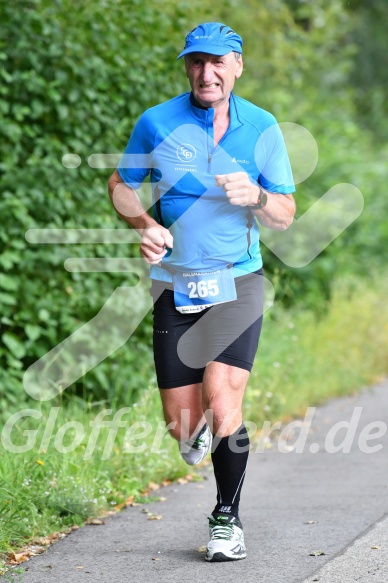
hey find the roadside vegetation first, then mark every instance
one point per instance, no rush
(78, 86)
(75, 473)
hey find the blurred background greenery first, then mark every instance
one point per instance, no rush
(75, 76)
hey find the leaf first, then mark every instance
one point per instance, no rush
(14, 344)
(7, 299)
(44, 315)
(33, 332)
(95, 521)
(19, 558)
(8, 282)
(9, 258)
(36, 550)
(317, 553)
(155, 517)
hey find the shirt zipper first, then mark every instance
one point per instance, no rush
(210, 155)
(209, 160)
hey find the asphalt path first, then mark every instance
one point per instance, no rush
(310, 515)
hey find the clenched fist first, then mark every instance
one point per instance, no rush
(238, 188)
(154, 242)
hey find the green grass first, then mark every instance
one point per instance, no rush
(46, 491)
(303, 359)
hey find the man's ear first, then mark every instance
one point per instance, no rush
(239, 68)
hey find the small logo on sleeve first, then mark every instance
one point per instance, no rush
(240, 161)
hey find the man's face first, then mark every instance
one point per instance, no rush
(212, 78)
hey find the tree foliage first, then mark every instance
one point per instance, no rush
(74, 79)
(76, 76)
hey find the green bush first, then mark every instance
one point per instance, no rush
(75, 78)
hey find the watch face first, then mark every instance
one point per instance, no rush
(261, 200)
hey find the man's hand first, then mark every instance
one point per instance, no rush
(238, 188)
(155, 239)
(277, 214)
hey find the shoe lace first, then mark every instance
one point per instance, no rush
(197, 443)
(220, 529)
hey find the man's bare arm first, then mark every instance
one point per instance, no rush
(277, 214)
(126, 202)
(279, 211)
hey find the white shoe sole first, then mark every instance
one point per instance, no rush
(220, 557)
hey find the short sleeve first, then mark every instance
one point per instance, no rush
(136, 161)
(273, 162)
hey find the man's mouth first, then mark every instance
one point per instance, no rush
(209, 85)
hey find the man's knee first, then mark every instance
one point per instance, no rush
(223, 418)
(184, 427)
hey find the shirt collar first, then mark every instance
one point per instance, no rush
(206, 114)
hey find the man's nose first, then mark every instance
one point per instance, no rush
(207, 72)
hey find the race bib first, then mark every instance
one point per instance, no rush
(194, 291)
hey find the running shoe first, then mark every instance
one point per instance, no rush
(226, 539)
(194, 450)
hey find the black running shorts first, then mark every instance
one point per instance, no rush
(228, 333)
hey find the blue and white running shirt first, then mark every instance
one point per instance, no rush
(174, 143)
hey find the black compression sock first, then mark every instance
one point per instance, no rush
(230, 457)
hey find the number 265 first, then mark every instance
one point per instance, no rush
(203, 289)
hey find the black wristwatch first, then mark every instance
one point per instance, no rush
(261, 200)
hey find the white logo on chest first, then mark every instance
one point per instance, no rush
(186, 152)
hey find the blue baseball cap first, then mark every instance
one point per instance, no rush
(213, 38)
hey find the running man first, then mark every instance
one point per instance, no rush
(218, 168)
